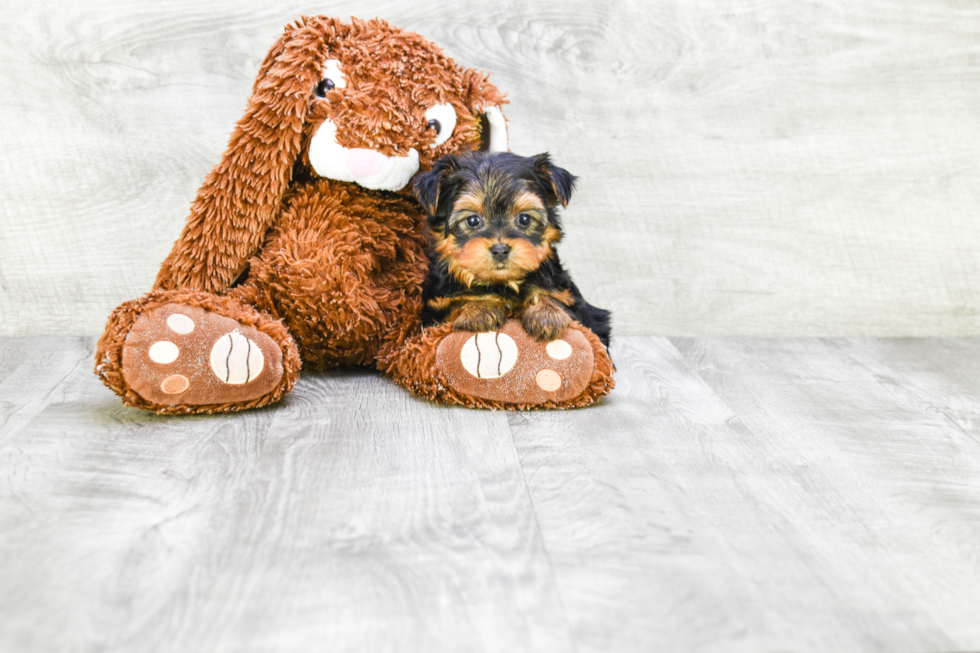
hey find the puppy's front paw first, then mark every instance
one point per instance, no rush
(545, 322)
(480, 317)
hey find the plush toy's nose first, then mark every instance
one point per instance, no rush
(368, 167)
(364, 163)
(500, 252)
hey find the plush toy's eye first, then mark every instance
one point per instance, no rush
(442, 119)
(473, 221)
(524, 220)
(332, 78)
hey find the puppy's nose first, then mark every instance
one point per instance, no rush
(500, 252)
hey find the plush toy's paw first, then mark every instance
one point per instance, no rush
(182, 351)
(510, 366)
(185, 355)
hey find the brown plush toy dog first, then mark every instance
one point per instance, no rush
(305, 243)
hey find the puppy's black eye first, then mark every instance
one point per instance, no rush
(324, 86)
(473, 221)
(434, 124)
(524, 220)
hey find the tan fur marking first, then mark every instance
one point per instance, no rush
(552, 234)
(475, 258)
(526, 201)
(535, 294)
(525, 257)
(469, 202)
(449, 252)
(473, 261)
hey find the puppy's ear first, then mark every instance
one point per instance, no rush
(560, 181)
(428, 186)
(241, 197)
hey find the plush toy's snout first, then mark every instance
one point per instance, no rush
(366, 167)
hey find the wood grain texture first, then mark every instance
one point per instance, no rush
(352, 517)
(883, 487)
(798, 168)
(731, 495)
(764, 495)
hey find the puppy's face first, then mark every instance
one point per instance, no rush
(493, 216)
(497, 233)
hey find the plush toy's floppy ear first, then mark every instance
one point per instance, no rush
(484, 100)
(493, 137)
(241, 196)
(561, 181)
(428, 186)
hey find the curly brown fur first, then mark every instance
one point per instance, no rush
(342, 269)
(494, 224)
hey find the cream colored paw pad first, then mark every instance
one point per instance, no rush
(180, 323)
(164, 352)
(548, 380)
(559, 349)
(489, 355)
(236, 359)
(175, 384)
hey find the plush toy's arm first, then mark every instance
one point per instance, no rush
(241, 197)
(218, 240)
(234, 208)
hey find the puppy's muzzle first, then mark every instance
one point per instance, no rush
(500, 252)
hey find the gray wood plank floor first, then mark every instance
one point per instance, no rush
(731, 495)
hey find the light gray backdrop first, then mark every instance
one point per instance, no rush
(746, 167)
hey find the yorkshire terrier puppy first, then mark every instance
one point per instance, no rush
(494, 222)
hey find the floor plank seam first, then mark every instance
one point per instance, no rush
(544, 543)
(697, 374)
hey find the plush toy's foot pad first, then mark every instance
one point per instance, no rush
(186, 355)
(512, 367)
